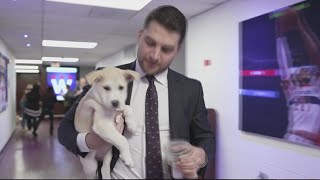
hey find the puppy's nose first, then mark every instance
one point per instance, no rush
(115, 103)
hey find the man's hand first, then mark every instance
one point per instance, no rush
(94, 141)
(77, 93)
(190, 163)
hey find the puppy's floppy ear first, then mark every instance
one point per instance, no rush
(131, 75)
(94, 76)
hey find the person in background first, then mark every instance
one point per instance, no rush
(32, 109)
(69, 98)
(298, 55)
(71, 95)
(179, 114)
(23, 102)
(48, 102)
(80, 86)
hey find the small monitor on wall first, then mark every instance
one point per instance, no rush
(280, 74)
(59, 78)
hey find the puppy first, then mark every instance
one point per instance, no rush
(97, 111)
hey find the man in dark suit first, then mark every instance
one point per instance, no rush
(182, 112)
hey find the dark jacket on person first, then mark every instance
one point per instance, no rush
(69, 99)
(33, 98)
(48, 101)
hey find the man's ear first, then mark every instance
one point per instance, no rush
(94, 76)
(140, 33)
(130, 75)
(180, 47)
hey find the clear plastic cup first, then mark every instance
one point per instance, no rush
(174, 150)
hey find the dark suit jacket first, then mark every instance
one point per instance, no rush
(187, 116)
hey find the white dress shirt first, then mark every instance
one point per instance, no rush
(137, 140)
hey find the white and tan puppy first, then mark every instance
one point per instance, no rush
(97, 111)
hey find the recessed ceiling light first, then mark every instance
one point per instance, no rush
(62, 69)
(25, 36)
(28, 45)
(25, 67)
(118, 4)
(27, 70)
(60, 59)
(69, 44)
(27, 61)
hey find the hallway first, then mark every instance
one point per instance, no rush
(41, 157)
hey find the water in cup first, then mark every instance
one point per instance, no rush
(174, 150)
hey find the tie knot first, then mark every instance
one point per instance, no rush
(150, 78)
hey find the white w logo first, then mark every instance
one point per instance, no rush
(60, 87)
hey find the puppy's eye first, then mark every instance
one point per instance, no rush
(120, 87)
(107, 88)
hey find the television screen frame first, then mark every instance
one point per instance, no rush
(60, 77)
(271, 74)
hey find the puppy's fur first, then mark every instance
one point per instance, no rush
(97, 111)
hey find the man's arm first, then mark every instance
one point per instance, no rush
(67, 134)
(292, 19)
(201, 138)
(201, 132)
(310, 40)
(200, 129)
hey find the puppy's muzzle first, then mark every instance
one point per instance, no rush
(115, 103)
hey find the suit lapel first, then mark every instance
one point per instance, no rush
(130, 84)
(174, 93)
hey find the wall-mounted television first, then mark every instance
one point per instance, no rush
(59, 78)
(280, 74)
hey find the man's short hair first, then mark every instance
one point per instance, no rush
(170, 17)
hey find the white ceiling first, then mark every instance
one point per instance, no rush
(113, 29)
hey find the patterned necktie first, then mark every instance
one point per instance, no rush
(153, 149)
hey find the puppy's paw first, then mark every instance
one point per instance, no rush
(127, 161)
(129, 119)
(132, 126)
(127, 111)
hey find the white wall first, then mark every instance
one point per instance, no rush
(125, 56)
(8, 117)
(84, 70)
(179, 62)
(215, 35)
